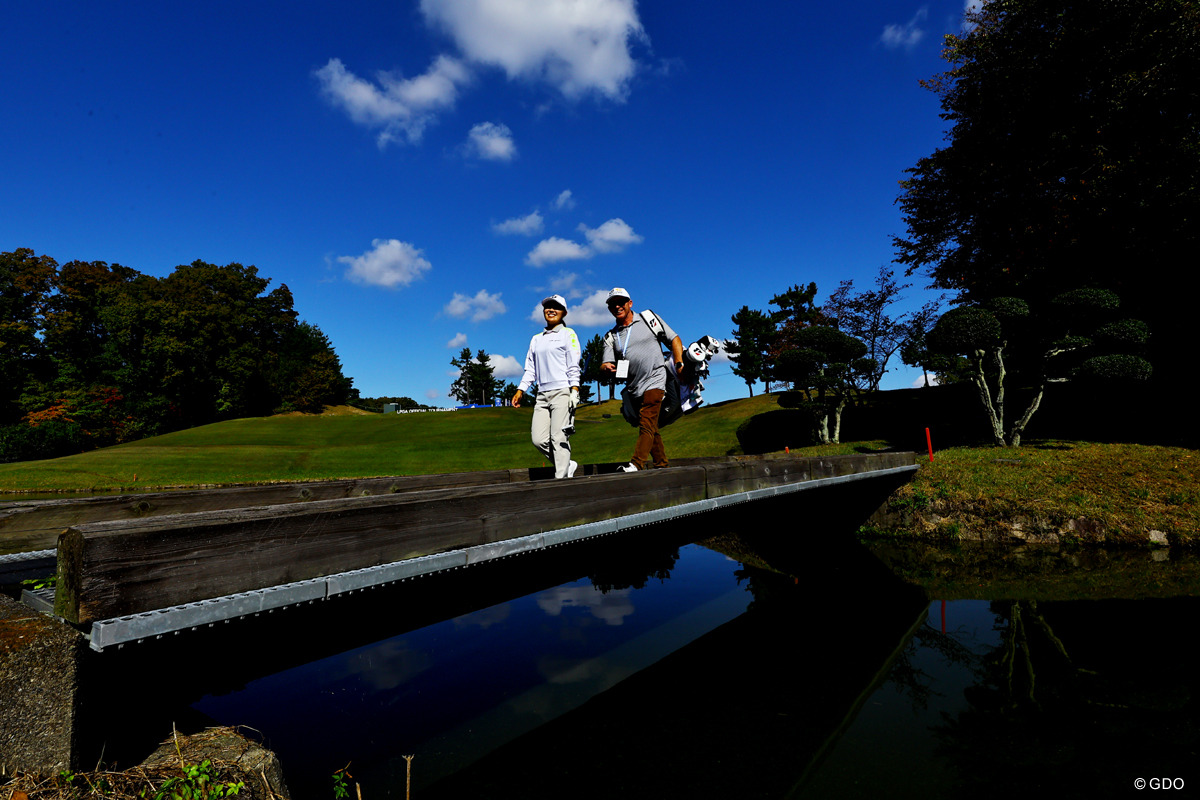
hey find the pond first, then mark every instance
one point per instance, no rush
(754, 653)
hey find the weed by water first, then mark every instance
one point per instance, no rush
(177, 779)
(197, 783)
(49, 582)
(915, 500)
(341, 786)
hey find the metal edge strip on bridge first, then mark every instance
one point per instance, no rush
(189, 616)
(15, 567)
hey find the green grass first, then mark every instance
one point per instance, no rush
(306, 447)
(1077, 491)
(1074, 491)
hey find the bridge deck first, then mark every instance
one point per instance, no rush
(127, 579)
(137, 627)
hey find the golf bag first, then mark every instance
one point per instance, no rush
(683, 388)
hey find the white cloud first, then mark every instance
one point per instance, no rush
(391, 263)
(592, 312)
(459, 340)
(549, 251)
(564, 283)
(491, 142)
(432, 394)
(576, 46)
(919, 382)
(564, 201)
(398, 108)
(906, 35)
(480, 307)
(527, 225)
(611, 607)
(611, 237)
(504, 367)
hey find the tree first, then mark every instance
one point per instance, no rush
(76, 336)
(592, 356)
(200, 344)
(797, 311)
(1073, 159)
(915, 352)
(308, 373)
(1085, 326)
(94, 354)
(824, 362)
(475, 383)
(528, 398)
(25, 285)
(749, 349)
(796, 307)
(460, 389)
(864, 316)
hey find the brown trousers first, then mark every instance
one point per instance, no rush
(649, 442)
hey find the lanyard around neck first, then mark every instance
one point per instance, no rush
(625, 345)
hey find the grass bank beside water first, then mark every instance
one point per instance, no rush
(1054, 492)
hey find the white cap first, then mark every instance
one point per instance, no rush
(556, 299)
(618, 292)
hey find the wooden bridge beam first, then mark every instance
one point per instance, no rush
(122, 567)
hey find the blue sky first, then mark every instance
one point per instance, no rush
(420, 173)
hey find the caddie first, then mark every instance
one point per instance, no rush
(633, 353)
(553, 364)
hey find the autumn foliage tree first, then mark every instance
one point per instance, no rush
(94, 354)
(25, 285)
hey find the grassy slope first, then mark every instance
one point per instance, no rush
(298, 447)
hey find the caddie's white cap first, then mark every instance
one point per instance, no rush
(555, 299)
(618, 292)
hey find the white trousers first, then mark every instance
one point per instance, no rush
(551, 413)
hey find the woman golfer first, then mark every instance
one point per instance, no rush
(553, 364)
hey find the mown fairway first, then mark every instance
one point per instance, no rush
(292, 448)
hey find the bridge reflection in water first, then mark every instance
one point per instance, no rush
(755, 652)
(635, 664)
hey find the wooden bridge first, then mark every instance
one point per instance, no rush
(132, 567)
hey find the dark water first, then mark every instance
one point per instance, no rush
(759, 653)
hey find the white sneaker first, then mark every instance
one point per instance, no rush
(630, 467)
(571, 469)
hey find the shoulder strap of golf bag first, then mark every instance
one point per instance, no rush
(655, 325)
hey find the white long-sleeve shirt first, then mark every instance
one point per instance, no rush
(553, 360)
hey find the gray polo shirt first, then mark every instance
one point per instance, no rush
(638, 344)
